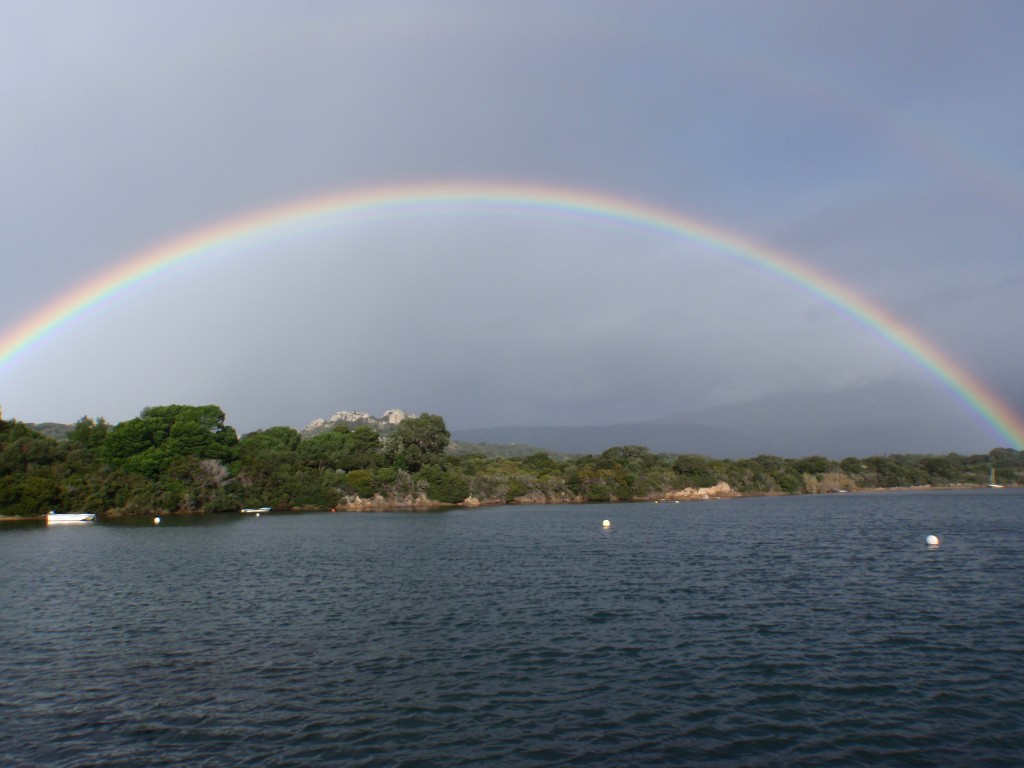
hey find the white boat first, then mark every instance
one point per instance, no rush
(57, 518)
(992, 478)
(251, 510)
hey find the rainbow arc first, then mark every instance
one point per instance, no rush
(334, 210)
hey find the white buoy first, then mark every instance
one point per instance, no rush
(257, 514)
(932, 540)
(156, 521)
(607, 523)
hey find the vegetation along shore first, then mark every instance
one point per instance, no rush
(182, 459)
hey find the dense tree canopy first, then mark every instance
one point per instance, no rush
(185, 459)
(418, 441)
(164, 434)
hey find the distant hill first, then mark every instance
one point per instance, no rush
(503, 450)
(871, 420)
(659, 438)
(52, 429)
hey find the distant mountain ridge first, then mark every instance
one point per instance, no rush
(871, 420)
(52, 429)
(701, 439)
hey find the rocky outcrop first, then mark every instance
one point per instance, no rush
(378, 503)
(390, 418)
(719, 491)
(395, 416)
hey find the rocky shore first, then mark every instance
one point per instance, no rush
(378, 503)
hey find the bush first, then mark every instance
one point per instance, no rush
(360, 482)
(445, 485)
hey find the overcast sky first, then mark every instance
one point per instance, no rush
(878, 142)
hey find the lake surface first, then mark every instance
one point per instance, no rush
(774, 631)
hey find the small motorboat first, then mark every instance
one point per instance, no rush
(58, 518)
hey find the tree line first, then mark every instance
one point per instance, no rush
(186, 460)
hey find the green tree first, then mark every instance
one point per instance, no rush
(342, 449)
(446, 485)
(88, 433)
(813, 465)
(694, 471)
(417, 441)
(852, 466)
(274, 439)
(268, 468)
(361, 482)
(36, 494)
(366, 447)
(539, 463)
(162, 434)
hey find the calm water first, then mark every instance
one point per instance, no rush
(792, 631)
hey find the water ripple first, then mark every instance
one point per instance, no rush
(729, 633)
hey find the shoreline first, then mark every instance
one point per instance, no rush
(379, 504)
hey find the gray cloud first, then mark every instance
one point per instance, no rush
(876, 142)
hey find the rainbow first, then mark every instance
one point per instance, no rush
(331, 210)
